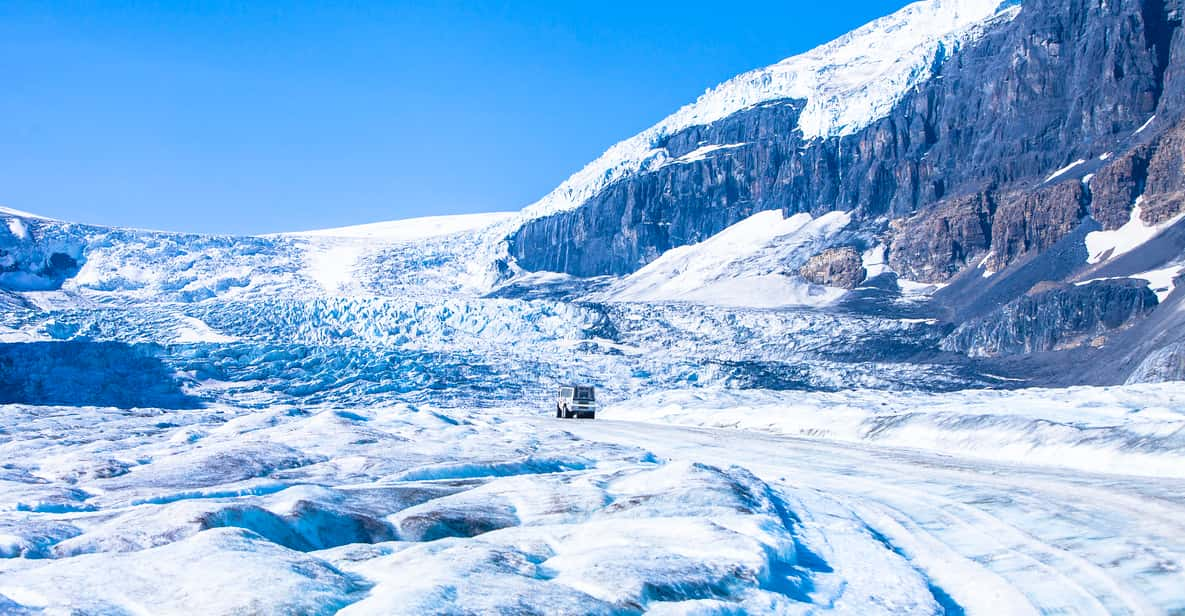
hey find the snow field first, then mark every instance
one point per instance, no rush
(1105, 245)
(1138, 430)
(741, 266)
(983, 537)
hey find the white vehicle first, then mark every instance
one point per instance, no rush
(576, 402)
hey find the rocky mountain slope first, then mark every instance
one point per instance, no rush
(1027, 144)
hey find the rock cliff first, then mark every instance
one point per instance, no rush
(989, 176)
(1065, 80)
(1056, 318)
(835, 267)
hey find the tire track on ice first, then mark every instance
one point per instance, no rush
(1039, 539)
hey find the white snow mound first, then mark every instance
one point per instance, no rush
(740, 266)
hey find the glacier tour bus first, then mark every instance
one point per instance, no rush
(576, 402)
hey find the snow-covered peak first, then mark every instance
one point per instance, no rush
(410, 228)
(846, 84)
(7, 211)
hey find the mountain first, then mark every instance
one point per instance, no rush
(827, 309)
(1006, 175)
(1003, 152)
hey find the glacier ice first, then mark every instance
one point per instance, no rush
(356, 420)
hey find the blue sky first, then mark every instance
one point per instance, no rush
(254, 117)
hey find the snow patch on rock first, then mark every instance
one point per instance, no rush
(740, 266)
(1105, 245)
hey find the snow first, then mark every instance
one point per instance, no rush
(1106, 245)
(843, 86)
(343, 421)
(370, 436)
(1089, 429)
(987, 273)
(336, 512)
(20, 214)
(1144, 126)
(411, 228)
(316, 509)
(1161, 280)
(224, 571)
(190, 330)
(917, 290)
(1064, 170)
(735, 267)
(987, 538)
(875, 261)
(702, 153)
(332, 257)
(332, 265)
(18, 229)
(9, 334)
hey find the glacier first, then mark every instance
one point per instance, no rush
(358, 420)
(248, 423)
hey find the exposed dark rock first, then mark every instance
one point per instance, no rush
(962, 169)
(1127, 350)
(1061, 317)
(1164, 190)
(937, 244)
(971, 295)
(1115, 188)
(632, 222)
(835, 267)
(1028, 222)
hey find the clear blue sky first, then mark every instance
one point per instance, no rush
(257, 116)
